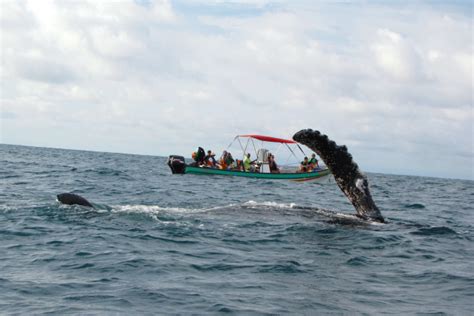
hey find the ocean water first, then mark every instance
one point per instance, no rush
(183, 244)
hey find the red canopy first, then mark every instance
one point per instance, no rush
(270, 139)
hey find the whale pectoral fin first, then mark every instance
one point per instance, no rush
(345, 171)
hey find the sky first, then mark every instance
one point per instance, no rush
(392, 80)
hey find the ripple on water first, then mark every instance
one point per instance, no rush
(414, 206)
(290, 267)
(432, 231)
(219, 267)
(357, 261)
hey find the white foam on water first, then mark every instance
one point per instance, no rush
(374, 223)
(156, 209)
(254, 204)
(151, 210)
(6, 208)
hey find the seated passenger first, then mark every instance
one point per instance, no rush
(272, 164)
(313, 162)
(304, 166)
(210, 160)
(229, 161)
(247, 163)
(198, 157)
(239, 165)
(222, 161)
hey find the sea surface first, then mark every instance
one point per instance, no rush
(163, 244)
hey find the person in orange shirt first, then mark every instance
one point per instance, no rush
(223, 161)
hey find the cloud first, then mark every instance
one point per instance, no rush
(162, 77)
(43, 70)
(394, 56)
(8, 115)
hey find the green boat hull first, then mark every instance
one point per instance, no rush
(277, 176)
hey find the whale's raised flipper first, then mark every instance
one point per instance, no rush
(72, 199)
(345, 171)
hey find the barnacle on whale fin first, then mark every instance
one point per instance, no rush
(345, 171)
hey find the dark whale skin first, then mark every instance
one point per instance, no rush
(345, 171)
(73, 199)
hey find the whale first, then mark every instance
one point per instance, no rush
(352, 182)
(73, 199)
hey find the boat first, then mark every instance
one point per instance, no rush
(178, 163)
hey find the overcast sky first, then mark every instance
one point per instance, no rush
(393, 80)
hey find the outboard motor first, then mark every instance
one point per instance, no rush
(176, 164)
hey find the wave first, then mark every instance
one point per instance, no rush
(415, 206)
(441, 230)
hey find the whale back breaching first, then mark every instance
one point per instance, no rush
(73, 199)
(346, 172)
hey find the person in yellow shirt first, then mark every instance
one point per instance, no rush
(247, 162)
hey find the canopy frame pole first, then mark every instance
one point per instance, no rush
(278, 148)
(236, 137)
(291, 150)
(254, 148)
(301, 149)
(241, 147)
(246, 146)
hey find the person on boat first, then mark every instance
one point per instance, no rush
(239, 165)
(226, 162)
(209, 160)
(222, 161)
(198, 157)
(304, 165)
(229, 161)
(272, 164)
(247, 162)
(313, 162)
